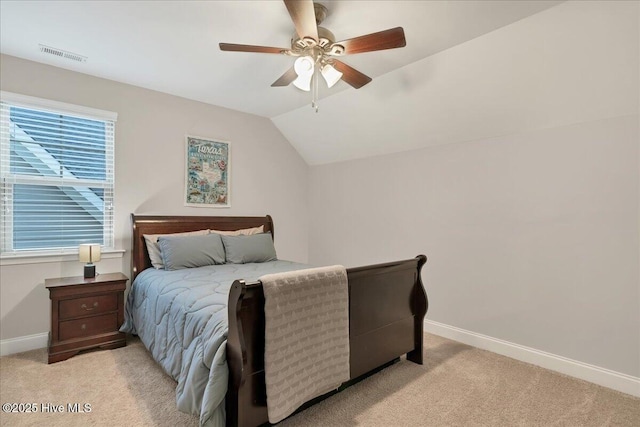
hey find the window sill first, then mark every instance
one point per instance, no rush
(38, 258)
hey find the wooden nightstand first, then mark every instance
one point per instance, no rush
(85, 314)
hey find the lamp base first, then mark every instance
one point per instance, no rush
(89, 271)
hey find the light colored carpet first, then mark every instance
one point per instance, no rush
(458, 386)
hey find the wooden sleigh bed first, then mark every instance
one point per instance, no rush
(387, 305)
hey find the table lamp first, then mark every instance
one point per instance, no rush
(89, 253)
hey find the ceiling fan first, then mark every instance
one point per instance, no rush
(317, 51)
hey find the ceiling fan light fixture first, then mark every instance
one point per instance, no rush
(304, 68)
(303, 83)
(331, 75)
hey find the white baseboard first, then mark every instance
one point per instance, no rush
(595, 374)
(26, 343)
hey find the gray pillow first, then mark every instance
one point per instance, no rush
(180, 252)
(254, 248)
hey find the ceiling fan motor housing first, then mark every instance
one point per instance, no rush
(325, 39)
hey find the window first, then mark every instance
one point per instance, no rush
(56, 171)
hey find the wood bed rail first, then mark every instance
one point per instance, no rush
(387, 305)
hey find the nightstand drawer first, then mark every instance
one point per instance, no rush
(87, 306)
(88, 326)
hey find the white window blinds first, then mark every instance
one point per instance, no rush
(57, 172)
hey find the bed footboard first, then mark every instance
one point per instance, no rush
(387, 305)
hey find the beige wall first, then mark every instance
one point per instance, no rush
(531, 238)
(268, 176)
(527, 203)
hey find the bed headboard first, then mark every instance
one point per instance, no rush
(147, 224)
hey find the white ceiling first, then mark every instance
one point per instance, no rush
(172, 47)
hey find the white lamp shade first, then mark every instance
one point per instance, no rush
(331, 75)
(304, 69)
(89, 252)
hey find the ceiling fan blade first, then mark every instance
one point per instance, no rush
(387, 39)
(286, 79)
(230, 47)
(304, 17)
(350, 75)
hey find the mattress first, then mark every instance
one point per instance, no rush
(181, 317)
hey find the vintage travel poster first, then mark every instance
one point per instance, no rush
(207, 180)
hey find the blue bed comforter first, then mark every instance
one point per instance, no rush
(181, 317)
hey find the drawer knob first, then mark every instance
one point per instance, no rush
(83, 326)
(95, 304)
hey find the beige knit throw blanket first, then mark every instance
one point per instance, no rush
(306, 336)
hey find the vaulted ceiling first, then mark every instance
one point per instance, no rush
(420, 95)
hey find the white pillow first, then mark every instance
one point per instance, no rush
(154, 249)
(243, 232)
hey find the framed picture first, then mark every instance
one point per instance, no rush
(207, 182)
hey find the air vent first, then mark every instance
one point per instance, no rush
(62, 53)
